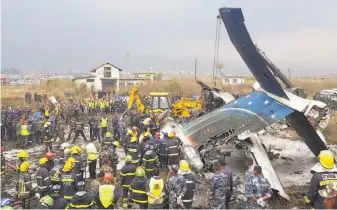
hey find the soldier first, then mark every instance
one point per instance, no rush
(39, 130)
(150, 160)
(72, 127)
(42, 178)
(175, 188)
(218, 187)
(47, 136)
(127, 174)
(79, 126)
(59, 133)
(323, 173)
(121, 129)
(258, 190)
(229, 173)
(249, 172)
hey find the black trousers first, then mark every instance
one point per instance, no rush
(104, 130)
(92, 168)
(125, 192)
(77, 133)
(3, 130)
(188, 205)
(228, 199)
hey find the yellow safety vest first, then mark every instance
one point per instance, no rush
(91, 105)
(24, 130)
(106, 195)
(156, 188)
(102, 105)
(107, 104)
(92, 156)
(46, 112)
(104, 122)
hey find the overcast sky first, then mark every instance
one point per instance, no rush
(77, 35)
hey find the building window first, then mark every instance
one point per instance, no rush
(235, 80)
(107, 71)
(122, 85)
(226, 80)
(90, 80)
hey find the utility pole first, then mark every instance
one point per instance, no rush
(195, 68)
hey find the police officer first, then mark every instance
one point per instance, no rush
(162, 150)
(127, 174)
(229, 173)
(258, 190)
(79, 126)
(150, 160)
(82, 199)
(173, 150)
(184, 170)
(92, 159)
(176, 188)
(55, 172)
(79, 166)
(56, 195)
(68, 181)
(108, 193)
(24, 185)
(46, 202)
(249, 163)
(138, 189)
(218, 187)
(42, 178)
(104, 125)
(323, 173)
(133, 151)
(155, 191)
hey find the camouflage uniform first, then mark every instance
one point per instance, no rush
(217, 191)
(258, 187)
(59, 133)
(175, 187)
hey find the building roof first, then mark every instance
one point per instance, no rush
(145, 73)
(84, 77)
(93, 70)
(233, 77)
(132, 78)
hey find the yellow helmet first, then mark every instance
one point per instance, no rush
(133, 139)
(116, 143)
(23, 154)
(326, 159)
(184, 166)
(170, 135)
(43, 161)
(108, 134)
(75, 150)
(71, 160)
(129, 131)
(67, 166)
(128, 158)
(147, 134)
(24, 166)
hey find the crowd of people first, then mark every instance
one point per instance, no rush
(154, 175)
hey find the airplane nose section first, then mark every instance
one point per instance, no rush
(193, 158)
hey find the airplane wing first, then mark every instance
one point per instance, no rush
(244, 116)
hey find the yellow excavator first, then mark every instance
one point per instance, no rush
(160, 102)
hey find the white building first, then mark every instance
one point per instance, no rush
(145, 75)
(233, 80)
(103, 78)
(128, 83)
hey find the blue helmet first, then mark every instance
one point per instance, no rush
(56, 188)
(81, 185)
(6, 202)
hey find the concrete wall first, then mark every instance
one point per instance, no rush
(233, 80)
(126, 84)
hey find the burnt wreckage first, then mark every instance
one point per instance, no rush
(233, 123)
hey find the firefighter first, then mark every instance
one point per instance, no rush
(24, 135)
(184, 170)
(79, 166)
(68, 181)
(138, 189)
(56, 195)
(126, 175)
(24, 185)
(108, 139)
(127, 140)
(82, 199)
(323, 173)
(150, 160)
(173, 150)
(47, 136)
(42, 178)
(3, 162)
(46, 202)
(55, 172)
(133, 150)
(50, 158)
(104, 125)
(23, 156)
(108, 193)
(155, 191)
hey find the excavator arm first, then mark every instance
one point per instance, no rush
(134, 97)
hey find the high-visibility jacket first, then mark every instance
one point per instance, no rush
(107, 104)
(156, 187)
(106, 195)
(46, 112)
(102, 105)
(104, 122)
(92, 156)
(91, 105)
(24, 130)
